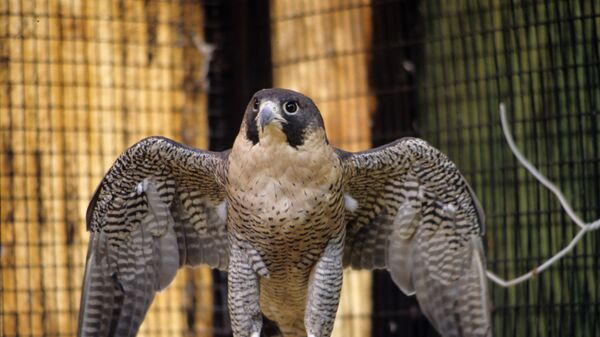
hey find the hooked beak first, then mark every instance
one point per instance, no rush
(265, 116)
(269, 115)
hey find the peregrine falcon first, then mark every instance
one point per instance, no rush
(283, 212)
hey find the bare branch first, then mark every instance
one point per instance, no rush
(207, 51)
(585, 227)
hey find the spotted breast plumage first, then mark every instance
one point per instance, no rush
(284, 212)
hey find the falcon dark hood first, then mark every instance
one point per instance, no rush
(282, 110)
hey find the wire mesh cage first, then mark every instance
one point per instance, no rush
(459, 60)
(82, 80)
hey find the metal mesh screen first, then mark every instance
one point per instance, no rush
(440, 70)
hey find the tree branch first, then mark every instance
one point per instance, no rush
(585, 227)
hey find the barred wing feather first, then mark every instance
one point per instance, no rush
(156, 209)
(418, 218)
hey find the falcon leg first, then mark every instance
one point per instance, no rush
(244, 308)
(324, 288)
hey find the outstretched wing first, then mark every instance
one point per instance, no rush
(418, 218)
(160, 206)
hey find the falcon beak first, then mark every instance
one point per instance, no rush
(269, 115)
(265, 116)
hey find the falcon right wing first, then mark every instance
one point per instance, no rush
(417, 217)
(160, 206)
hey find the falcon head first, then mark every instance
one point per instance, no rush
(282, 115)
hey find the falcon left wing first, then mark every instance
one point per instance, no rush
(416, 216)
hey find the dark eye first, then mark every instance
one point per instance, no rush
(255, 104)
(290, 107)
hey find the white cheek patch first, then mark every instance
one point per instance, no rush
(350, 203)
(222, 211)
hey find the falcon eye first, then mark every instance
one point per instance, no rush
(255, 104)
(290, 107)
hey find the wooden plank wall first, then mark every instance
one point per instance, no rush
(321, 48)
(80, 81)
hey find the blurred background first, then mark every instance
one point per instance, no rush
(80, 81)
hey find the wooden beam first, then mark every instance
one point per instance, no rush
(321, 48)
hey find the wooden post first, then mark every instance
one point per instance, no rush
(321, 48)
